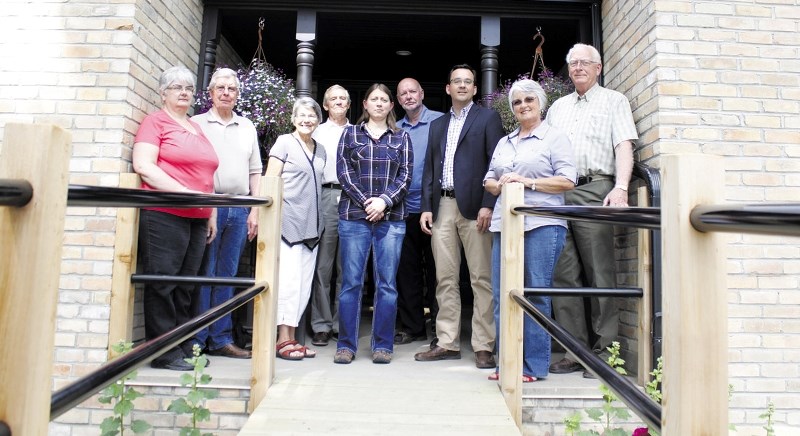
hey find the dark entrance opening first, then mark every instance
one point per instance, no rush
(356, 49)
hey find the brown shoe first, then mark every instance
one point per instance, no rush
(321, 339)
(437, 353)
(484, 359)
(565, 366)
(231, 350)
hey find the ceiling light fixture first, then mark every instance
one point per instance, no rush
(403, 53)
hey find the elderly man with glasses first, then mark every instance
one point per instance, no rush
(236, 142)
(599, 123)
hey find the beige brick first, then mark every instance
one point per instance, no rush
(698, 48)
(753, 11)
(762, 150)
(740, 104)
(737, 23)
(760, 64)
(741, 135)
(718, 90)
(782, 136)
(762, 121)
(717, 35)
(738, 50)
(782, 107)
(782, 194)
(695, 20)
(713, 8)
(226, 406)
(700, 134)
(672, 6)
(778, 25)
(762, 180)
(700, 103)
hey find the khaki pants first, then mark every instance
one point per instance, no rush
(588, 261)
(451, 231)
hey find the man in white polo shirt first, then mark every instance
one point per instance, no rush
(236, 143)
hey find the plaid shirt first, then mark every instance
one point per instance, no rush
(457, 121)
(367, 168)
(595, 124)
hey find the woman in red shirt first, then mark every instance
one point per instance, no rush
(170, 153)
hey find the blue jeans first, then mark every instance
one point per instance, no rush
(543, 245)
(222, 260)
(355, 239)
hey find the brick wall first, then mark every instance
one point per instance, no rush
(722, 78)
(90, 67)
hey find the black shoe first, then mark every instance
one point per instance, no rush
(434, 342)
(321, 339)
(403, 337)
(565, 366)
(587, 374)
(177, 364)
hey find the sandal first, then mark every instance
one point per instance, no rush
(525, 378)
(308, 353)
(285, 351)
(343, 355)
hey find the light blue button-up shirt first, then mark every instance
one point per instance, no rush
(419, 141)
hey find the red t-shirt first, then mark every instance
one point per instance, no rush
(188, 158)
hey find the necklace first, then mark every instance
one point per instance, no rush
(372, 132)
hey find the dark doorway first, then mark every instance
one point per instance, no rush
(356, 49)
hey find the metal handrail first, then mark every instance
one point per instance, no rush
(90, 196)
(236, 282)
(766, 219)
(83, 388)
(641, 217)
(647, 409)
(585, 292)
(15, 193)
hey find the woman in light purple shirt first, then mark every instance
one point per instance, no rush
(540, 157)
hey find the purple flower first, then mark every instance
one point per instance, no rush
(641, 431)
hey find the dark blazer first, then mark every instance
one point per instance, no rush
(481, 132)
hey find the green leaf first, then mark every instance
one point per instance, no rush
(205, 379)
(110, 426)
(203, 414)
(594, 414)
(622, 413)
(140, 426)
(179, 405)
(210, 394)
(186, 379)
(195, 397)
(124, 407)
(105, 399)
(617, 432)
(133, 394)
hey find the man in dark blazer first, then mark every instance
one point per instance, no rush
(456, 212)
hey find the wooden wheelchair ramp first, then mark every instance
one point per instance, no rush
(316, 396)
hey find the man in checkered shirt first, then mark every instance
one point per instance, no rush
(600, 126)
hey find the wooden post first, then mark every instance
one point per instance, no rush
(265, 306)
(695, 301)
(122, 290)
(30, 256)
(512, 252)
(644, 305)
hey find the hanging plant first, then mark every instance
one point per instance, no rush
(554, 86)
(266, 98)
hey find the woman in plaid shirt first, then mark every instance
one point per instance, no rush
(373, 163)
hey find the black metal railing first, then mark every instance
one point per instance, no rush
(15, 193)
(765, 219)
(83, 388)
(82, 195)
(628, 393)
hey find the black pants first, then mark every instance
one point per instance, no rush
(169, 245)
(415, 274)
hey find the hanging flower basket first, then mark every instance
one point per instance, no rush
(554, 86)
(266, 98)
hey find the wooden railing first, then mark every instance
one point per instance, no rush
(695, 377)
(35, 162)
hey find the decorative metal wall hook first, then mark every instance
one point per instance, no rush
(538, 54)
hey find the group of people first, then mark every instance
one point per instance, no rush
(419, 195)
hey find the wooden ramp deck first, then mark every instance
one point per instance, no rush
(316, 396)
